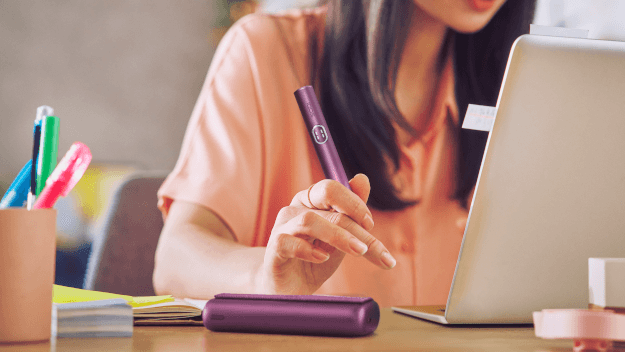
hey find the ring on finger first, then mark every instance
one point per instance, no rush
(309, 201)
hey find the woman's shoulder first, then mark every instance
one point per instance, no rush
(269, 43)
(297, 24)
(268, 35)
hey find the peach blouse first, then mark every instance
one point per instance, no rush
(246, 153)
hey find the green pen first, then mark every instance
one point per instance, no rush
(48, 150)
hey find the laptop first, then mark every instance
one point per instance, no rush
(551, 188)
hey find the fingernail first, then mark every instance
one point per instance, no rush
(368, 222)
(388, 260)
(357, 246)
(320, 255)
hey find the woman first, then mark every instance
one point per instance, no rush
(246, 207)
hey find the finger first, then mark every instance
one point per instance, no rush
(360, 185)
(311, 224)
(378, 254)
(292, 247)
(287, 213)
(331, 195)
(376, 251)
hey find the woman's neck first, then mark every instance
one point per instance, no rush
(418, 70)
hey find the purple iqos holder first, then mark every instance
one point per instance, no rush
(320, 135)
(285, 314)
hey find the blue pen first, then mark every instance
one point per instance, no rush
(18, 192)
(42, 112)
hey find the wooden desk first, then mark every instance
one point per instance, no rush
(395, 333)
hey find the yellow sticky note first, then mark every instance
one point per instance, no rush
(64, 294)
(149, 300)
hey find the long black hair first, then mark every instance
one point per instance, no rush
(363, 42)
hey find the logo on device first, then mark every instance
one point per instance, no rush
(320, 134)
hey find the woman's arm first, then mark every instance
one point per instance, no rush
(198, 257)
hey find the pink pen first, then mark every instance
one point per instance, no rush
(65, 176)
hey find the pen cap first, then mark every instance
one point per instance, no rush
(42, 112)
(71, 168)
(18, 191)
(48, 150)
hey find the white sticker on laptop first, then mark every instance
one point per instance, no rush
(558, 31)
(479, 117)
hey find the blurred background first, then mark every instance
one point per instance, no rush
(123, 76)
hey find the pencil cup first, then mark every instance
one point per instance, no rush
(27, 257)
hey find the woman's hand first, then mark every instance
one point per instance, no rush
(312, 235)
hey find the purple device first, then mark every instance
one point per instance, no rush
(320, 134)
(286, 314)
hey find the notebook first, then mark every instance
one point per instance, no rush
(102, 318)
(151, 310)
(551, 188)
(183, 311)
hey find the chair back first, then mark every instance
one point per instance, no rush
(122, 258)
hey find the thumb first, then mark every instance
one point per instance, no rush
(360, 185)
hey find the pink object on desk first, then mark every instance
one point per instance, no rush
(590, 329)
(65, 176)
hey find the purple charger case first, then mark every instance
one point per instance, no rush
(286, 314)
(320, 135)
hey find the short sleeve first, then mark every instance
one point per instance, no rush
(220, 163)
